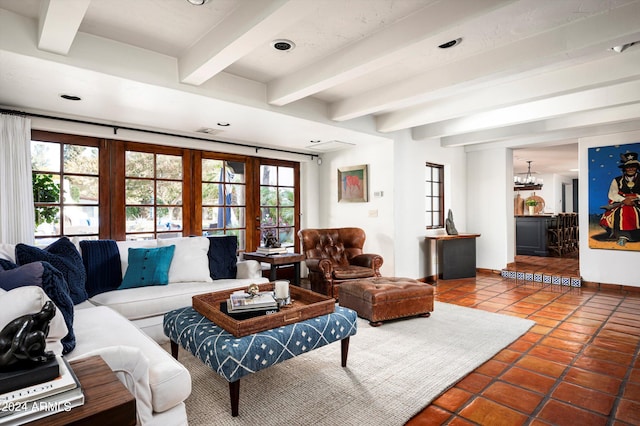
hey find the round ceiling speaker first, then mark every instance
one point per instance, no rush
(283, 44)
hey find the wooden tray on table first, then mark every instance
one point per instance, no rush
(305, 304)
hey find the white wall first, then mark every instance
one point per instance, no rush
(489, 192)
(410, 158)
(376, 216)
(597, 265)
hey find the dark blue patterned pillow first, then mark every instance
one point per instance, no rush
(63, 256)
(223, 257)
(101, 260)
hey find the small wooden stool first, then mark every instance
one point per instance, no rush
(386, 298)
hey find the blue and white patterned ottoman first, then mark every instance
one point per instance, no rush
(235, 357)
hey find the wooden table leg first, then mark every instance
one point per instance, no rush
(344, 350)
(272, 273)
(174, 349)
(296, 274)
(234, 395)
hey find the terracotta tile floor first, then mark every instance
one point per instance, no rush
(578, 365)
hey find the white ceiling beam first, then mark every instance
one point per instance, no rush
(553, 126)
(251, 25)
(557, 138)
(381, 49)
(587, 37)
(613, 69)
(58, 24)
(604, 97)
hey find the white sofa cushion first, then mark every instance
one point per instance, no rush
(29, 300)
(123, 248)
(101, 327)
(190, 260)
(142, 302)
(8, 251)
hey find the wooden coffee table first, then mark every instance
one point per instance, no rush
(106, 400)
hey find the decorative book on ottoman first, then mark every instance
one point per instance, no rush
(242, 302)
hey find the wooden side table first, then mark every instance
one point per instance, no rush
(106, 400)
(276, 260)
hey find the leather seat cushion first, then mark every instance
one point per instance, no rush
(352, 272)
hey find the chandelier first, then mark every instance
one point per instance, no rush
(527, 181)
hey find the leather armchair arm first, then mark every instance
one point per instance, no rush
(323, 266)
(368, 260)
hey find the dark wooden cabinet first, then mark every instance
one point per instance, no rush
(531, 235)
(454, 256)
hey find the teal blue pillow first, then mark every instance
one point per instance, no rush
(147, 267)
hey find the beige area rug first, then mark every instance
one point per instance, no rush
(392, 373)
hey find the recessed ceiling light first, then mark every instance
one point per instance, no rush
(283, 45)
(71, 97)
(197, 2)
(208, 130)
(450, 43)
(224, 124)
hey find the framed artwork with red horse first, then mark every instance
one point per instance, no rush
(353, 186)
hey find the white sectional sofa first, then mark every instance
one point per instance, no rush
(124, 326)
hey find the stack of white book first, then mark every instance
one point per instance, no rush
(243, 302)
(271, 250)
(34, 402)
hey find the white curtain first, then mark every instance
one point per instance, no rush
(17, 222)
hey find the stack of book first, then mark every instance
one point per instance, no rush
(43, 399)
(241, 302)
(271, 250)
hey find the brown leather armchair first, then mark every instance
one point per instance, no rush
(335, 255)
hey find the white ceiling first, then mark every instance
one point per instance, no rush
(534, 74)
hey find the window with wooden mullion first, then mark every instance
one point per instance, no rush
(223, 195)
(434, 196)
(155, 192)
(69, 200)
(280, 202)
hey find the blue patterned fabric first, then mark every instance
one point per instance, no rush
(235, 357)
(101, 260)
(63, 256)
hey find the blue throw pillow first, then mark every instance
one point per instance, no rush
(63, 256)
(20, 276)
(148, 266)
(101, 260)
(223, 256)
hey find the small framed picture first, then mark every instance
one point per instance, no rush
(353, 185)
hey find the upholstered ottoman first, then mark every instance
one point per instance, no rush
(385, 298)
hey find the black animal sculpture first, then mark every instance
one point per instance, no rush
(23, 340)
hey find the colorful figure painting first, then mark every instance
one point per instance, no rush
(614, 197)
(352, 184)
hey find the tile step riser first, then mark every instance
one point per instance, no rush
(542, 278)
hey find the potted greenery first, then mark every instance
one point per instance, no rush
(531, 203)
